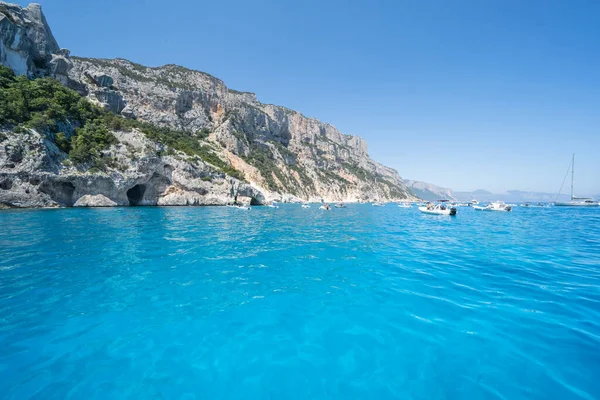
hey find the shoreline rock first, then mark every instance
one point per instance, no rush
(97, 200)
(283, 154)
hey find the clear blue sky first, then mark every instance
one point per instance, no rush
(465, 94)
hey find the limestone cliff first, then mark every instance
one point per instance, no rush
(34, 172)
(279, 153)
(27, 44)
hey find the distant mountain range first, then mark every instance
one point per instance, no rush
(431, 192)
(510, 196)
(428, 191)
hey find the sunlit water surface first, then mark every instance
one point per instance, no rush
(291, 303)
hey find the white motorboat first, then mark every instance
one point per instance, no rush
(340, 205)
(575, 201)
(404, 205)
(305, 205)
(325, 207)
(438, 209)
(495, 206)
(273, 205)
(239, 206)
(474, 202)
(378, 204)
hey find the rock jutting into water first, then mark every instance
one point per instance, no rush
(242, 148)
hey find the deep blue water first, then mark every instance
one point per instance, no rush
(357, 303)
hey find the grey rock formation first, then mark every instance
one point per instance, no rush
(281, 153)
(97, 200)
(26, 42)
(313, 159)
(110, 99)
(34, 173)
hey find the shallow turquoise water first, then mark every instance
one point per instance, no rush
(364, 302)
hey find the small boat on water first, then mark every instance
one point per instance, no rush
(273, 205)
(575, 201)
(239, 206)
(439, 208)
(377, 203)
(325, 207)
(404, 205)
(538, 205)
(340, 205)
(474, 202)
(305, 205)
(495, 206)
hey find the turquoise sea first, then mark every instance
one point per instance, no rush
(291, 303)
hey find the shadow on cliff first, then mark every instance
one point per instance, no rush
(148, 192)
(60, 192)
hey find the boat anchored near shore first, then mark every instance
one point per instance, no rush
(239, 206)
(439, 208)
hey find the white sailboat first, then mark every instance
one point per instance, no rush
(576, 201)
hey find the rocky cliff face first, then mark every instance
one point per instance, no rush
(280, 153)
(35, 173)
(27, 44)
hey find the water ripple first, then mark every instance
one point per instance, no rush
(363, 302)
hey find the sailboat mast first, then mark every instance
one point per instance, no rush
(572, 174)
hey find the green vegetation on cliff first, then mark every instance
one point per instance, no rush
(47, 106)
(82, 129)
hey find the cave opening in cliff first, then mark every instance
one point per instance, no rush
(135, 195)
(254, 202)
(60, 192)
(65, 193)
